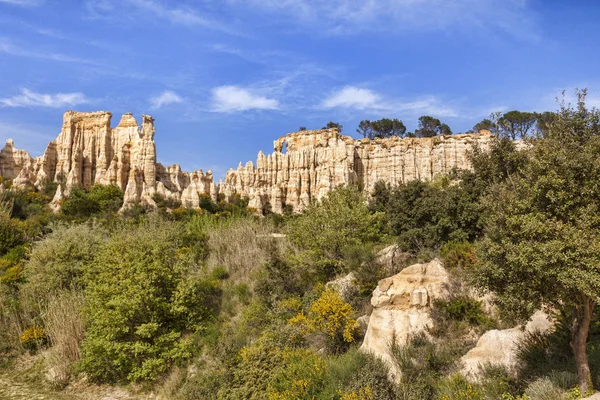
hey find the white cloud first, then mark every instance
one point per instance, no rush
(352, 16)
(166, 97)
(28, 98)
(352, 97)
(234, 98)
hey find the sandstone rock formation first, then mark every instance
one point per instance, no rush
(346, 286)
(499, 347)
(88, 151)
(315, 162)
(402, 307)
(304, 167)
(392, 259)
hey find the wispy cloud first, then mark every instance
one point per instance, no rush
(355, 16)
(234, 98)
(33, 138)
(165, 98)
(9, 47)
(363, 99)
(28, 98)
(25, 3)
(179, 15)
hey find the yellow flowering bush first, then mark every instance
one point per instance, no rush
(33, 337)
(301, 377)
(364, 393)
(332, 316)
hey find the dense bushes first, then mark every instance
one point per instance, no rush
(339, 221)
(100, 199)
(141, 299)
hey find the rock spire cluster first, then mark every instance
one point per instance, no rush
(303, 168)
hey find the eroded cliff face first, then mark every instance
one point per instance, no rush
(315, 162)
(88, 151)
(303, 168)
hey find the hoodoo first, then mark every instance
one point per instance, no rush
(89, 151)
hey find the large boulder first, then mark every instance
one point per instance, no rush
(392, 259)
(345, 286)
(402, 307)
(499, 347)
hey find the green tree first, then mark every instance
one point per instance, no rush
(486, 124)
(544, 120)
(340, 220)
(365, 129)
(517, 124)
(542, 229)
(430, 126)
(425, 216)
(383, 128)
(332, 125)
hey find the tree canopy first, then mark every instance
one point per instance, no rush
(383, 128)
(430, 126)
(542, 229)
(331, 125)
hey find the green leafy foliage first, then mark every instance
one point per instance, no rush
(140, 302)
(61, 260)
(542, 232)
(383, 128)
(331, 125)
(340, 220)
(100, 199)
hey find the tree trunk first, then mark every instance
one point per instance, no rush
(579, 336)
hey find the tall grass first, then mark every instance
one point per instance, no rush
(64, 326)
(241, 244)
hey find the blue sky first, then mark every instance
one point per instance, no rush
(224, 78)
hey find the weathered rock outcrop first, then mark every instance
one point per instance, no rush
(315, 162)
(88, 151)
(402, 307)
(304, 166)
(499, 347)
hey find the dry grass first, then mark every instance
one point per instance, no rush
(64, 326)
(242, 245)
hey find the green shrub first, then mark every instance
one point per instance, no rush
(141, 300)
(253, 374)
(354, 370)
(460, 309)
(544, 389)
(301, 376)
(33, 338)
(100, 199)
(60, 261)
(459, 255)
(11, 234)
(457, 387)
(340, 220)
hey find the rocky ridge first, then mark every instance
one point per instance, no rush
(304, 166)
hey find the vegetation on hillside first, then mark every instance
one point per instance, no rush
(207, 303)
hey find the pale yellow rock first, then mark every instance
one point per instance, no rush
(12, 160)
(88, 151)
(315, 162)
(499, 347)
(402, 308)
